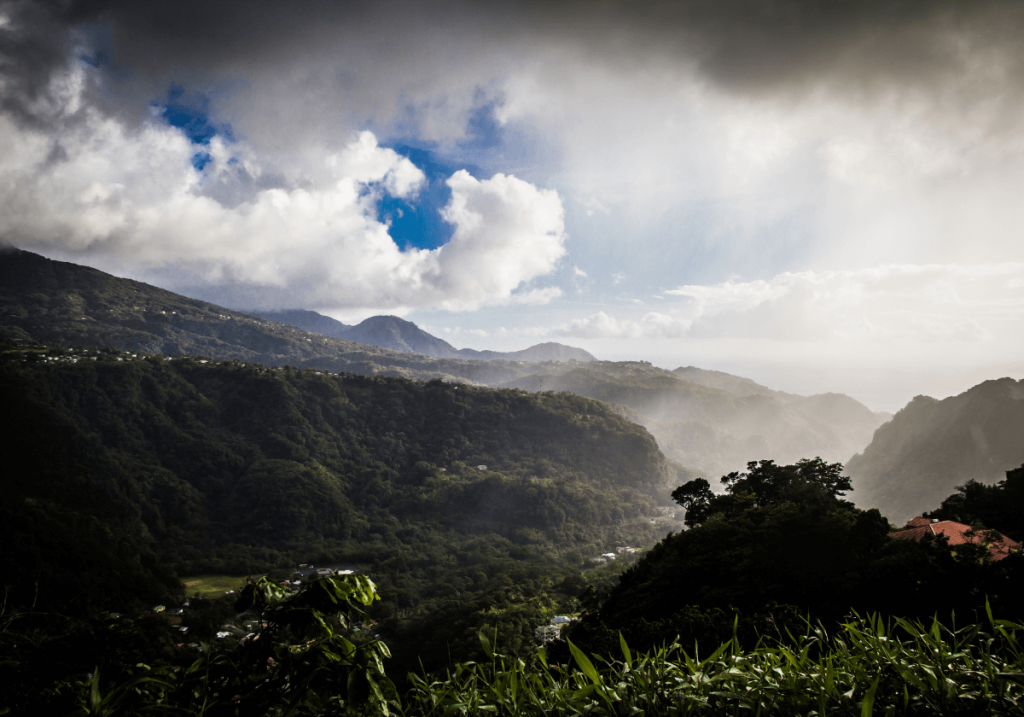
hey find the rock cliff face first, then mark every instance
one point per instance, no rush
(930, 447)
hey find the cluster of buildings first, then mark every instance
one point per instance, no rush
(999, 546)
(608, 557)
(307, 573)
(552, 631)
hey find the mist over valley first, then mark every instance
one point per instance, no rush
(399, 359)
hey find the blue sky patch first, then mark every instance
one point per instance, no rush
(190, 112)
(417, 224)
(483, 131)
(200, 160)
(96, 59)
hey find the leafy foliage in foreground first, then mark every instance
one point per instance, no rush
(303, 661)
(870, 666)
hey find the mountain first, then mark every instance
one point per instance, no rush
(930, 447)
(308, 321)
(717, 428)
(60, 302)
(391, 332)
(847, 416)
(541, 353)
(733, 384)
(708, 420)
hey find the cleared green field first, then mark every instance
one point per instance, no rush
(212, 586)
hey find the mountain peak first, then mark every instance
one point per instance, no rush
(397, 334)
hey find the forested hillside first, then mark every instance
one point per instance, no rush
(708, 420)
(713, 422)
(452, 497)
(63, 303)
(932, 446)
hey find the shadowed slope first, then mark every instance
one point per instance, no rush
(932, 446)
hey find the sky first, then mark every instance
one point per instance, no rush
(819, 195)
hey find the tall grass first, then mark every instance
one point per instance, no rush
(870, 667)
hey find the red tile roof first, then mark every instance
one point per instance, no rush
(957, 534)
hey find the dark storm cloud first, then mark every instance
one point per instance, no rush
(33, 44)
(353, 62)
(746, 44)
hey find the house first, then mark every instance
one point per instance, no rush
(999, 546)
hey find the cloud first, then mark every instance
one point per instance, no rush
(743, 133)
(599, 325)
(458, 330)
(112, 195)
(507, 232)
(892, 305)
(889, 303)
(290, 74)
(603, 326)
(658, 325)
(535, 297)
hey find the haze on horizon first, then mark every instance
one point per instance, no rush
(819, 196)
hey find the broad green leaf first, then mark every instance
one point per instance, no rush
(869, 699)
(584, 663)
(94, 691)
(486, 645)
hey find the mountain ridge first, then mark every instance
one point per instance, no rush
(931, 446)
(705, 427)
(61, 302)
(398, 334)
(708, 428)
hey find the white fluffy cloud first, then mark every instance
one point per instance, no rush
(111, 196)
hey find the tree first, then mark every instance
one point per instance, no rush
(999, 506)
(695, 496)
(764, 484)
